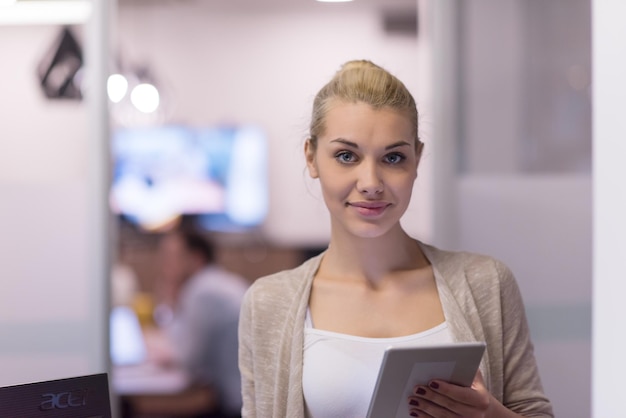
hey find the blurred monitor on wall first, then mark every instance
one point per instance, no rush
(218, 174)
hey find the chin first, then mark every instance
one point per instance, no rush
(360, 228)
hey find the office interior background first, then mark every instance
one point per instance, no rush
(504, 89)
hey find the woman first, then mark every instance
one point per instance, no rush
(312, 338)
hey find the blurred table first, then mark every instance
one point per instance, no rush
(158, 388)
(148, 379)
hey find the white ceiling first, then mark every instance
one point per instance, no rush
(76, 11)
(257, 6)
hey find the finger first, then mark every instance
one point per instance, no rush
(424, 408)
(438, 405)
(453, 392)
(464, 395)
(461, 400)
(420, 414)
(456, 399)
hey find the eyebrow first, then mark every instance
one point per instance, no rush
(355, 145)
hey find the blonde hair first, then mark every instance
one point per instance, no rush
(362, 81)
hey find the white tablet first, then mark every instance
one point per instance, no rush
(404, 367)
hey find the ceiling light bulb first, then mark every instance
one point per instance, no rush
(45, 12)
(145, 97)
(117, 86)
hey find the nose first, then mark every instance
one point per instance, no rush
(369, 180)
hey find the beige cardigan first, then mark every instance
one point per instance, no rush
(481, 302)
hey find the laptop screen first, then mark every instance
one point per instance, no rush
(75, 397)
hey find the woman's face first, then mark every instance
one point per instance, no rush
(366, 162)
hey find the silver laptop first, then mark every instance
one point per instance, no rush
(74, 397)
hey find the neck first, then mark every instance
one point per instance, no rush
(372, 258)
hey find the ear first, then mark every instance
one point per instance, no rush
(420, 151)
(311, 162)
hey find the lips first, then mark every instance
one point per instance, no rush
(370, 208)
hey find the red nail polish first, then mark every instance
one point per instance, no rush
(421, 391)
(434, 385)
(413, 402)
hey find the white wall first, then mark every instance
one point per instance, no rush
(53, 313)
(609, 222)
(265, 68)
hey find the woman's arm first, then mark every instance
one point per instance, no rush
(503, 318)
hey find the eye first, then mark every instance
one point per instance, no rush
(345, 157)
(394, 158)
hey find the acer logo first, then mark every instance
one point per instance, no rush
(64, 400)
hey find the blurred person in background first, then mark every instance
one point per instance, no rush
(199, 314)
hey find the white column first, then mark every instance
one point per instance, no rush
(443, 15)
(609, 198)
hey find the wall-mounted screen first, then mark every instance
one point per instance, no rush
(217, 173)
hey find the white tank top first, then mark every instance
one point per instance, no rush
(340, 371)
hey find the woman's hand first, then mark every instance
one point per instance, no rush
(441, 399)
